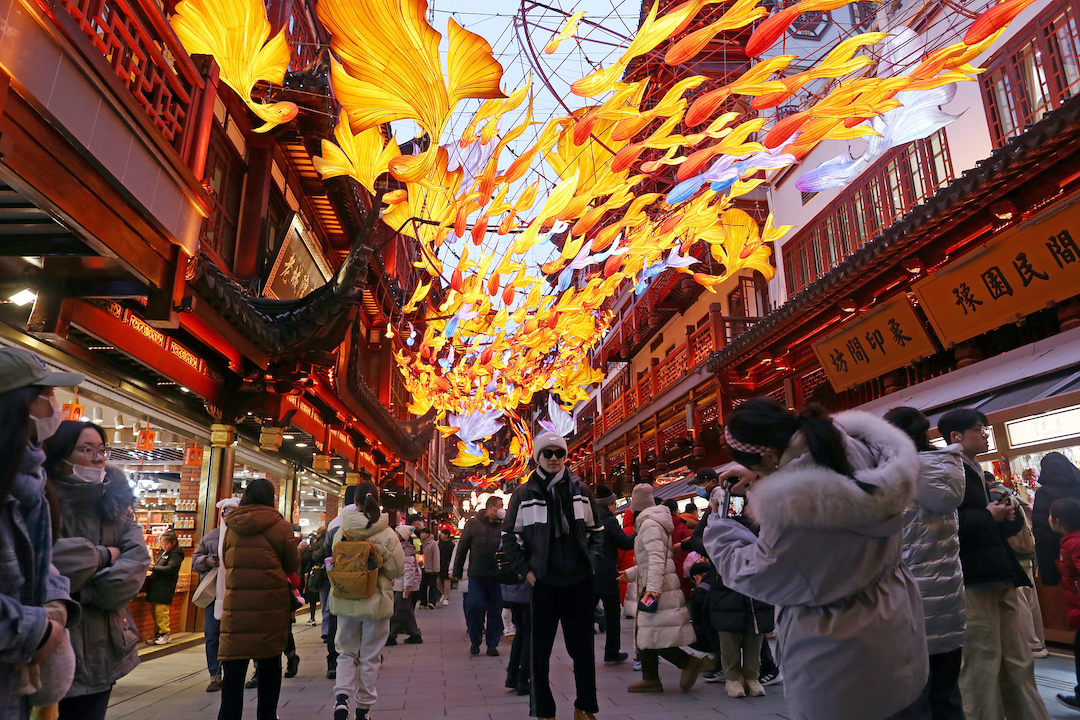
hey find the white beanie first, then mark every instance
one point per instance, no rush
(404, 531)
(547, 440)
(642, 497)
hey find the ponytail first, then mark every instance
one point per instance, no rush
(824, 439)
(367, 501)
(371, 510)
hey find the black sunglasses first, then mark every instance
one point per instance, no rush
(553, 452)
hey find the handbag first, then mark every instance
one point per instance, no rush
(1023, 542)
(316, 579)
(506, 575)
(207, 590)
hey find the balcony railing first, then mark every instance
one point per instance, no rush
(736, 326)
(135, 39)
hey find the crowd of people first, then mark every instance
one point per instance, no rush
(895, 574)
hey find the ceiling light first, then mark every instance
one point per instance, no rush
(340, 472)
(301, 444)
(338, 467)
(119, 424)
(23, 297)
(288, 437)
(184, 389)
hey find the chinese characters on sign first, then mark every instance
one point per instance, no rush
(888, 338)
(296, 271)
(1019, 273)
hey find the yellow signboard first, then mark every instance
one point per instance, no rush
(1016, 274)
(887, 338)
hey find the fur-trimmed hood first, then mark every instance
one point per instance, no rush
(803, 494)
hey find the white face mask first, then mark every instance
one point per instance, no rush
(500, 513)
(88, 473)
(45, 427)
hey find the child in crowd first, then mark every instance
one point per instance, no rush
(1065, 519)
(162, 585)
(707, 645)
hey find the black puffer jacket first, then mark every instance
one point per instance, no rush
(480, 541)
(607, 561)
(984, 550)
(1059, 479)
(527, 536)
(732, 612)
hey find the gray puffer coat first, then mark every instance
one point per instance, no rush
(849, 620)
(932, 546)
(95, 518)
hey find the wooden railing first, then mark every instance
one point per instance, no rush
(622, 398)
(736, 326)
(136, 40)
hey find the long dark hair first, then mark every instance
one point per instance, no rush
(259, 491)
(914, 424)
(14, 431)
(59, 447)
(764, 421)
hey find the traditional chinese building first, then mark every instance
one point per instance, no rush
(225, 303)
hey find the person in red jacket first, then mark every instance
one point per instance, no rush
(1065, 519)
(682, 532)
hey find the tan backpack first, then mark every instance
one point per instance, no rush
(355, 575)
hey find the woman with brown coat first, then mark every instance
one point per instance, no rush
(259, 551)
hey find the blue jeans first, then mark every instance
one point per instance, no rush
(324, 596)
(211, 629)
(485, 599)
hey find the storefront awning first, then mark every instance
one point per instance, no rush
(1037, 371)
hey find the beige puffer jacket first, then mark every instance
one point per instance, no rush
(391, 566)
(655, 571)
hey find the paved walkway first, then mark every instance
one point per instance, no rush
(440, 679)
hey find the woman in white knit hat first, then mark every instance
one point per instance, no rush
(662, 623)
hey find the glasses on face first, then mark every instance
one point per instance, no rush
(553, 452)
(91, 452)
(985, 431)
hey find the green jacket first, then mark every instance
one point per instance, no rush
(392, 558)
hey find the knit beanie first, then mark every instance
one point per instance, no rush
(404, 531)
(547, 440)
(642, 497)
(604, 496)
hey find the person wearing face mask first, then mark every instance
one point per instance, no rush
(606, 581)
(552, 537)
(35, 602)
(828, 495)
(161, 587)
(103, 554)
(480, 542)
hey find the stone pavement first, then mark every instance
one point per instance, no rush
(440, 679)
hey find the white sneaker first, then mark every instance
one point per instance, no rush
(445, 603)
(714, 677)
(1040, 653)
(163, 639)
(734, 689)
(754, 689)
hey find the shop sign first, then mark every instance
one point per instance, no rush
(71, 411)
(299, 267)
(146, 440)
(193, 456)
(1018, 273)
(1056, 425)
(885, 339)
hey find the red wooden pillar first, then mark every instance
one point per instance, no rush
(256, 203)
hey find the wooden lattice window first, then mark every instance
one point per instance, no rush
(225, 177)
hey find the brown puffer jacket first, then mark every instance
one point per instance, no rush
(259, 552)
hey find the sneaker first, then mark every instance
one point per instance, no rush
(474, 649)
(414, 640)
(771, 678)
(311, 623)
(713, 677)
(445, 603)
(215, 685)
(153, 640)
(341, 707)
(616, 659)
(1068, 701)
(637, 666)
(1040, 653)
(734, 689)
(493, 651)
(754, 689)
(361, 713)
(293, 666)
(391, 641)
(253, 682)
(163, 639)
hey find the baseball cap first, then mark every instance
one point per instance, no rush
(21, 368)
(704, 476)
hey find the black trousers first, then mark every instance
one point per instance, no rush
(612, 613)
(573, 607)
(944, 696)
(234, 673)
(517, 669)
(404, 619)
(429, 591)
(483, 609)
(768, 665)
(85, 707)
(650, 660)
(331, 642)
